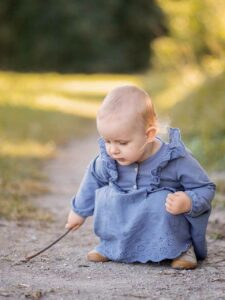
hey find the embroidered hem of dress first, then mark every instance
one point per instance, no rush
(143, 259)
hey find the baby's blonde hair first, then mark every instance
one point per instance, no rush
(129, 98)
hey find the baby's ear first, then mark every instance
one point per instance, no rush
(151, 133)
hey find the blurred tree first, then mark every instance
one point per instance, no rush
(196, 33)
(78, 36)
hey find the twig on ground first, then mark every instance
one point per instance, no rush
(46, 248)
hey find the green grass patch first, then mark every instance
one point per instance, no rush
(201, 117)
(28, 138)
(194, 102)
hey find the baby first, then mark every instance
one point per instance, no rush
(150, 199)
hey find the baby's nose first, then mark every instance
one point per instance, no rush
(114, 149)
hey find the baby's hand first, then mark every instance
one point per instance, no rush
(74, 221)
(178, 203)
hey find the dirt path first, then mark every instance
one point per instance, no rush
(64, 273)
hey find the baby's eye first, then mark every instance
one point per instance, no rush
(123, 143)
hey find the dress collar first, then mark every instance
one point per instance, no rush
(171, 150)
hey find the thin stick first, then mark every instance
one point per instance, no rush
(46, 248)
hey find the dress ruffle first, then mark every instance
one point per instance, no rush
(108, 163)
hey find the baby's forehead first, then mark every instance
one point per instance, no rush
(121, 115)
(115, 124)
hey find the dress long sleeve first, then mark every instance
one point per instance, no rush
(84, 201)
(196, 184)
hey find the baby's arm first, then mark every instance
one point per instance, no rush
(83, 202)
(198, 189)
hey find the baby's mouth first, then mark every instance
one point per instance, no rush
(117, 158)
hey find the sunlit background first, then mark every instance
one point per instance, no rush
(58, 59)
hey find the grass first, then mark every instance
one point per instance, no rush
(39, 112)
(201, 117)
(194, 102)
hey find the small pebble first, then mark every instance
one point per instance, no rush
(23, 285)
(33, 238)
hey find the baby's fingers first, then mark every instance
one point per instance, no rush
(168, 204)
(170, 197)
(170, 200)
(170, 208)
(67, 226)
(73, 227)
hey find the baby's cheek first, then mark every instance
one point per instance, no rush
(107, 150)
(133, 151)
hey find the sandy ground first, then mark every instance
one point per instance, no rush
(63, 272)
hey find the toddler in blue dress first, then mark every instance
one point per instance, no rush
(150, 199)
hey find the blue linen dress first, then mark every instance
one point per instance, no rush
(128, 204)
